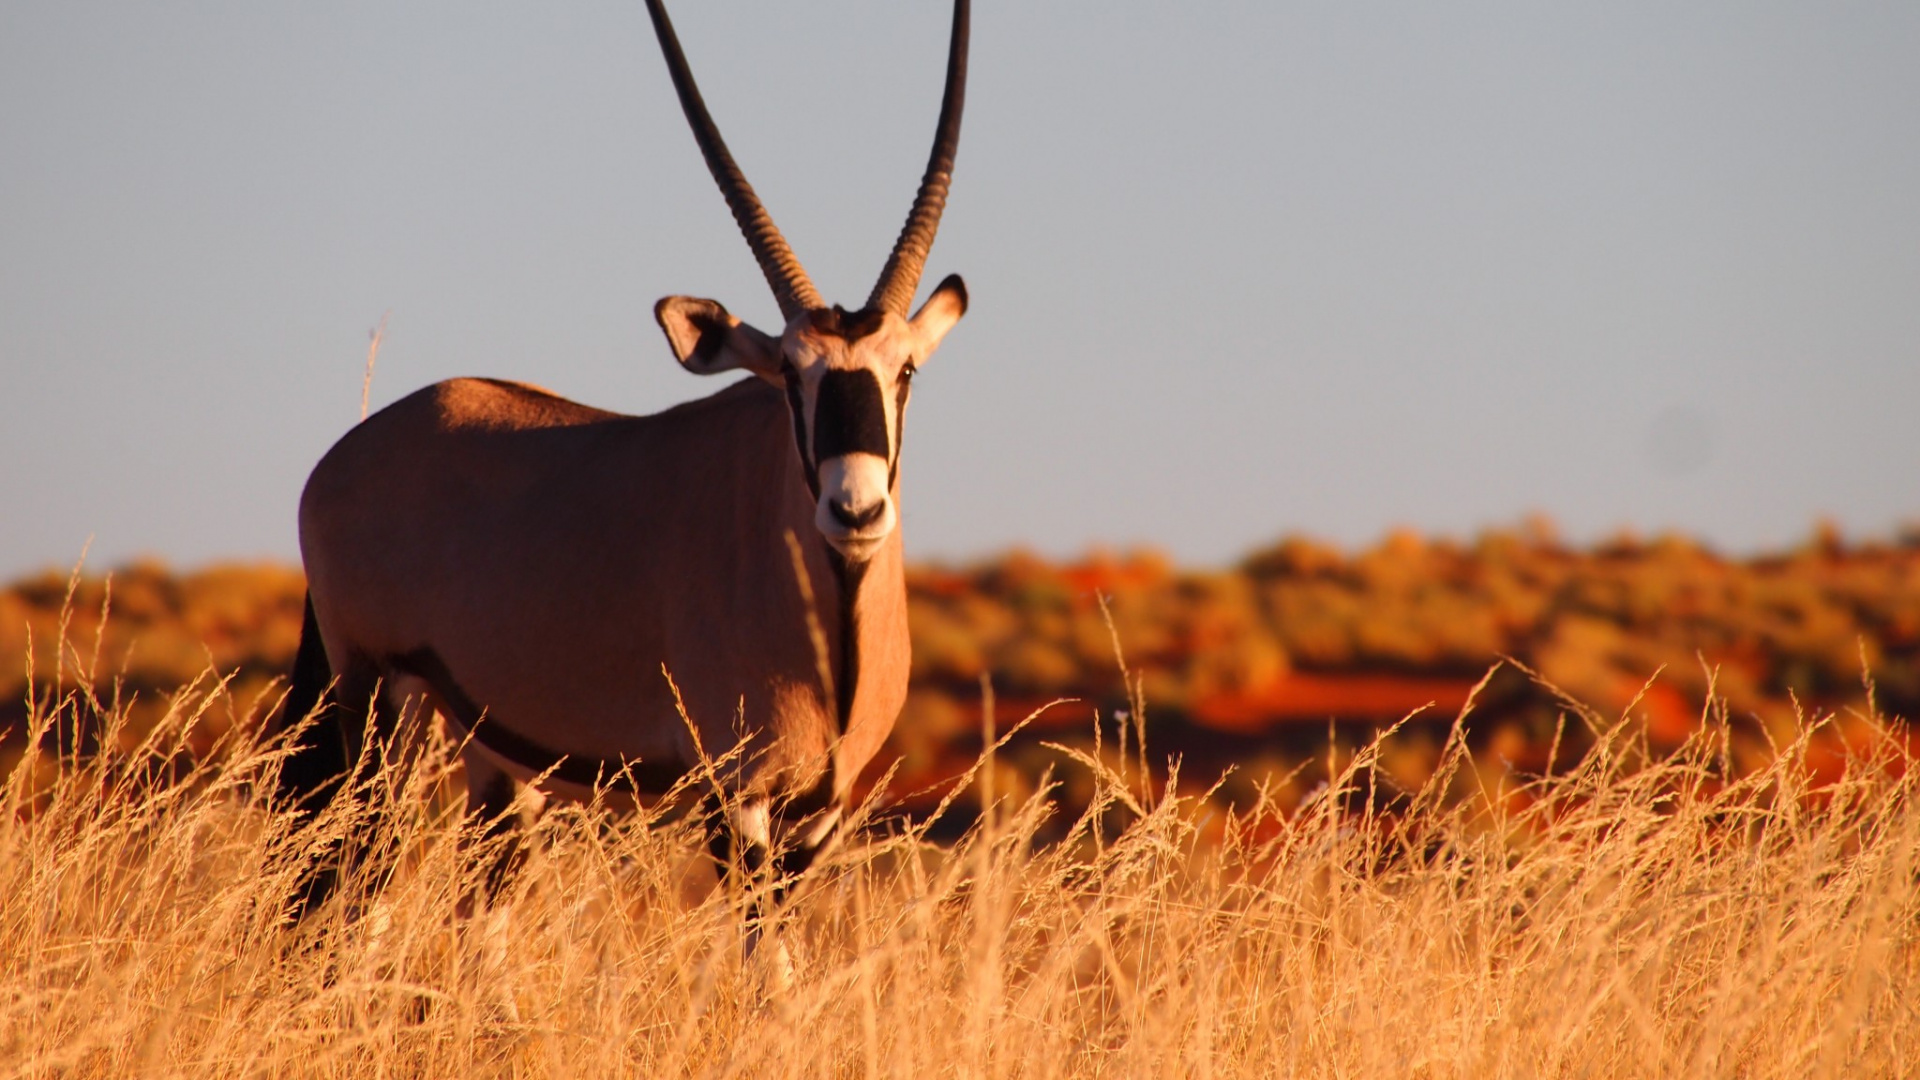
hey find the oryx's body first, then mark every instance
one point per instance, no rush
(537, 569)
(654, 541)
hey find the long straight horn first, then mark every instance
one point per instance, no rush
(895, 290)
(791, 286)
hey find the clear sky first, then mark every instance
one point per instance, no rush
(1237, 269)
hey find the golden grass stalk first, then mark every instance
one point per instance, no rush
(1626, 918)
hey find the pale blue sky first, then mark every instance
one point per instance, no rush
(1237, 269)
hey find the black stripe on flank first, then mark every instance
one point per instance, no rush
(848, 416)
(581, 770)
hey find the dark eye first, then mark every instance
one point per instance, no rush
(906, 372)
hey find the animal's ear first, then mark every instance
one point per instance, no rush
(937, 316)
(707, 340)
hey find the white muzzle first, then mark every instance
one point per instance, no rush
(855, 512)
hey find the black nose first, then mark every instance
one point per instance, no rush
(856, 519)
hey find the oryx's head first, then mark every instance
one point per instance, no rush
(846, 373)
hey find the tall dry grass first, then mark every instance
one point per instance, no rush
(1627, 917)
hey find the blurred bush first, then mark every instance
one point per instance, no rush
(1277, 662)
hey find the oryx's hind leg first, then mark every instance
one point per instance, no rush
(492, 801)
(492, 796)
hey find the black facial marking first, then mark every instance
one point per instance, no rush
(848, 416)
(796, 405)
(850, 325)
(900, 394)
(581, 770)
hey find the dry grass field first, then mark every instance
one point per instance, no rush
(1637, 912)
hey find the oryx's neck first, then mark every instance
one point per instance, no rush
(858, 607)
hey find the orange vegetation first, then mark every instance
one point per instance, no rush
(1258, 667)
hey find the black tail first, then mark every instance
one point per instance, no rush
(320, 758)
(323, 753)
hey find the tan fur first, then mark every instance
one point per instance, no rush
(557, 556)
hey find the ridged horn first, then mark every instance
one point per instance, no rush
(791, 287)
(894, 292)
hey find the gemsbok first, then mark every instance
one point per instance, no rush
(534, 569)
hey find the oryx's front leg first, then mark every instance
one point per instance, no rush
(740, 837)
(753, 834)
(770, 846)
